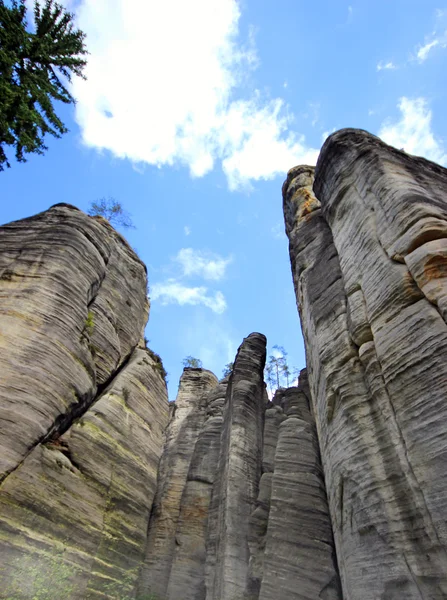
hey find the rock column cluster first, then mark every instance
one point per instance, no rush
(334, 490)
(241, 509)
(367, 236)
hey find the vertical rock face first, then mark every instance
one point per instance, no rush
(186, 424)
(299, 558)
(239, 471)
(368, 262)
(73, 305)
(187, 577)
(83, 409)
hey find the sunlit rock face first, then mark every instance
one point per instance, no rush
(241, 508)
(107, 491)
(83, 409)
(335, 489)
(369, 263)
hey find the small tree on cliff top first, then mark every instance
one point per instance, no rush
(192, 363)
(33, 67)
(228, 369)
(277, 371)
(113, 211)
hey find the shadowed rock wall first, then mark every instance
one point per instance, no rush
(369, 268)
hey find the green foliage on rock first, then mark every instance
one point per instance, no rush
(42, 577)
(33, 66)
(89, 324)
(228, 369)
(113, 211)
(192, 363)
(158, 362)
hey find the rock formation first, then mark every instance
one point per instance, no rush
(335, 489)
(241, 509)
(299, 557)
(177, 471)
(83, 409)
(368, 254)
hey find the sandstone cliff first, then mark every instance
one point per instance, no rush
(83, 408)
(241, 509)
(336, 489)
(368, 254)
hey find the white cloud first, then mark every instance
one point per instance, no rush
(438, 38)
(326, 134)
(173, 292)
(424, 51)
(210, 339)
(203, 264)
(413, 132)
(187, 230)
(160, 88)
(386, 66)
(261, 151)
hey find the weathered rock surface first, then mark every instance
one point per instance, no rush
(187, 422)
(299, 558)
(259, 518)
(73, 305)
(187, 576)
(369, 272)
(252, 499)
(239, 470)
(83, 409)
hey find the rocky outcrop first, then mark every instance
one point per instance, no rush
(187, 423)
(299, 558)
(187, 577)
(73, 307)
(369, 263)
(83, 409)
(208, 483)
(333, 490)
(239, 471)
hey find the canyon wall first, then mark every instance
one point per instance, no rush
(108, 491)
(368, 253)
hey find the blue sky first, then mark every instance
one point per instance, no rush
(190, 117)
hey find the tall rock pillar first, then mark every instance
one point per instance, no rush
(369, 263)
(239, 470)
(187, 420)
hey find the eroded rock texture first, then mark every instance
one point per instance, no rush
(83, 409)
(369, 267)
(187, 422)
(73, 305)
(239, 471)
(208, 483)
(299, 557)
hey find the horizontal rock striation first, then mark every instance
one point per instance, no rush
(368, 263)
(239, 470)
(73, 305)
(83, 409)
(299, 558)
(187, 576)
(186, 424)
